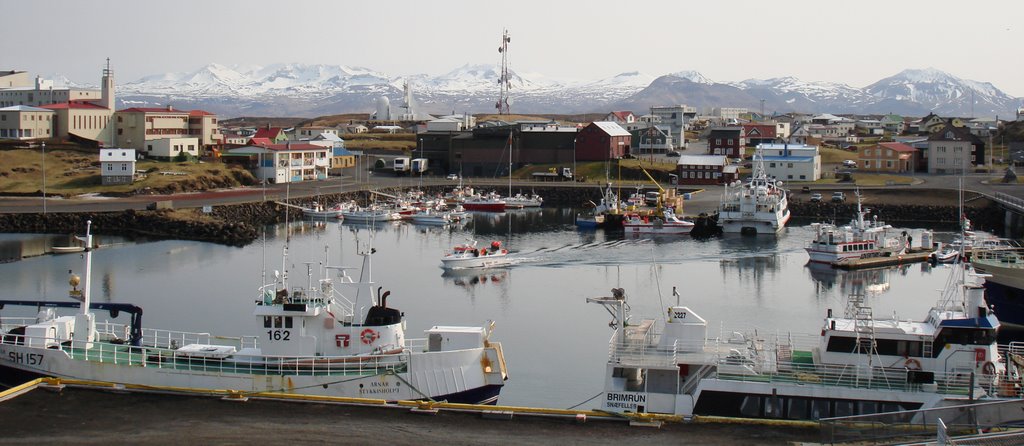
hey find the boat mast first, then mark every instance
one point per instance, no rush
(86, 291)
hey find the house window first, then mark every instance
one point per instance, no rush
(718, 141)
(867, 164)
(888, 164)
(124, 167)
(729, 142)
(772, 165)
(789, 165)
(120, 131)
(110, 167)
(803, 177)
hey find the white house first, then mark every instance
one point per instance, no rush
(170, 148)
(284, 163)
(791, 162)
(445, 125)
(117, 166)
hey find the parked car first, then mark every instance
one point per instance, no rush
(815, 197)
(838, 197)
(453, 176)
(849, 163)
(672, 153)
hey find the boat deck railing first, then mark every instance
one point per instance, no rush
(161, 349)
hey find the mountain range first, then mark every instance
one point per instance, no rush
(313, 90)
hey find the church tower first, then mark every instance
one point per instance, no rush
(107, 92)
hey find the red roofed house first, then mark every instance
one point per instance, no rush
(602, 140)
(621, 117)
(203, 125)
(274, 134)
(759, 134)
(283, 163)
(157, 132)
(891, 157)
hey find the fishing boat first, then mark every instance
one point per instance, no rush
(861, 238)
(518, 201)
(468, 255)
(370, 214)
(430, 216)
(320, 212)
(310, 340)
(489, 202)
(664, 223)
(66, 249)
(855, 365)
(598, 217)
(759, 206)
(1004, 288)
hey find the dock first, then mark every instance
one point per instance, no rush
(915, 255)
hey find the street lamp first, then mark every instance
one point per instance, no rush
(44, 179)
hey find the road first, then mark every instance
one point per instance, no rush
(702, 202)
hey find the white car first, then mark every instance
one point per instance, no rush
(849, 163)
(452, 176)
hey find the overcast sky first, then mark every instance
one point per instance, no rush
(856, 43)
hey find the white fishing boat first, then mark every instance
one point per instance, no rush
(524, 201)
(430, 216)
(947, 254)
(468, 255)
(666, 223)
(489, 202)
(309, 340)
(370, 214)
(861, 238)
(856, 364)
(759, 206)
(1004, 286)
(320, 212)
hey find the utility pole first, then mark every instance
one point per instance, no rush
(44, 179)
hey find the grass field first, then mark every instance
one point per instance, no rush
(73, 173)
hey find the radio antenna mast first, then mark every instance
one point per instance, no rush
(503, 101)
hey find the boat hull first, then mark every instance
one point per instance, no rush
(769, 224)
(19, 364)
(484, 207)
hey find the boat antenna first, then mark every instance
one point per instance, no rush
(657, 281)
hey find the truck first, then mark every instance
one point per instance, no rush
(401, 165)
(554, 174)
(419, 166)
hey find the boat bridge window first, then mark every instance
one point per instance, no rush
(964, 336)
(888, 347)
(277, 322)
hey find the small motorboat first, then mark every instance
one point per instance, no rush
(319, 211)
(947, 254)
(66, 249)
(467, 255)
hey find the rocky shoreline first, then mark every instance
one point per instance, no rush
(238, 225)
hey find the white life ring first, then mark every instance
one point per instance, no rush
(989, 368)
(912, 364)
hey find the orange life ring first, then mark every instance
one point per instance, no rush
(989, 368)
(368, 336)
(912, 364)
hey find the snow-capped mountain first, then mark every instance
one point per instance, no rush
(310, 89)
(937, 90)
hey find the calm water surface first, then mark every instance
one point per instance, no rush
(555, 343)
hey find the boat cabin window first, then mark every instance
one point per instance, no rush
(277, 322)
(889, 347)
(964, 336)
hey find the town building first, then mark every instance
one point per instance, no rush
(705, 169)
(622, 118)
(889, 157)
(84, 122)
(602, 141)
(283, 163)
(728, 141)
(193, 132)
(759, 133)
(651, 139)
(24, 122)
(677, 118)
(954, 149)
(487, 149)
(117, 166)
(791, 162)
(729, 114)
(203, 125)
(269, 135)
(308, 132)
(893, 124)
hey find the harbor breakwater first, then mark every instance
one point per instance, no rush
(238, 224)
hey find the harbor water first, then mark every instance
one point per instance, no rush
(555, 343)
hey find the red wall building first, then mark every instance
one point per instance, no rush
(759, 133)
(726, 141)
(602, 141)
